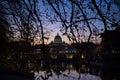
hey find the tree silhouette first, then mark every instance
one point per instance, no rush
(81, 16)
(26, 20)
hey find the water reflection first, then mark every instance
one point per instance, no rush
(66, 75)
(58, 67)
(66, 71)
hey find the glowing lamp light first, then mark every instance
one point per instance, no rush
(70, 56)
(82, 56)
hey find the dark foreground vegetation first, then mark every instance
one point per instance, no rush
(92, 27)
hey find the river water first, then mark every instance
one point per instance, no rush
(66, 75)
(67, 71)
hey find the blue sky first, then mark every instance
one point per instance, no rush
(51, 22)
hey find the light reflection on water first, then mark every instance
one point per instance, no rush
(66, 71)
(66, 75)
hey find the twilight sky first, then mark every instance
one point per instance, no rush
(71, 16)
(110, 14)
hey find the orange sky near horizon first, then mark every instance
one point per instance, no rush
(56, 29)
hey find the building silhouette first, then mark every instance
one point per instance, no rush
(59, 48)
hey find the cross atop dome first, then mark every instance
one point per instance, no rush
(57, 33)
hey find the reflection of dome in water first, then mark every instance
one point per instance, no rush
(57, 39)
